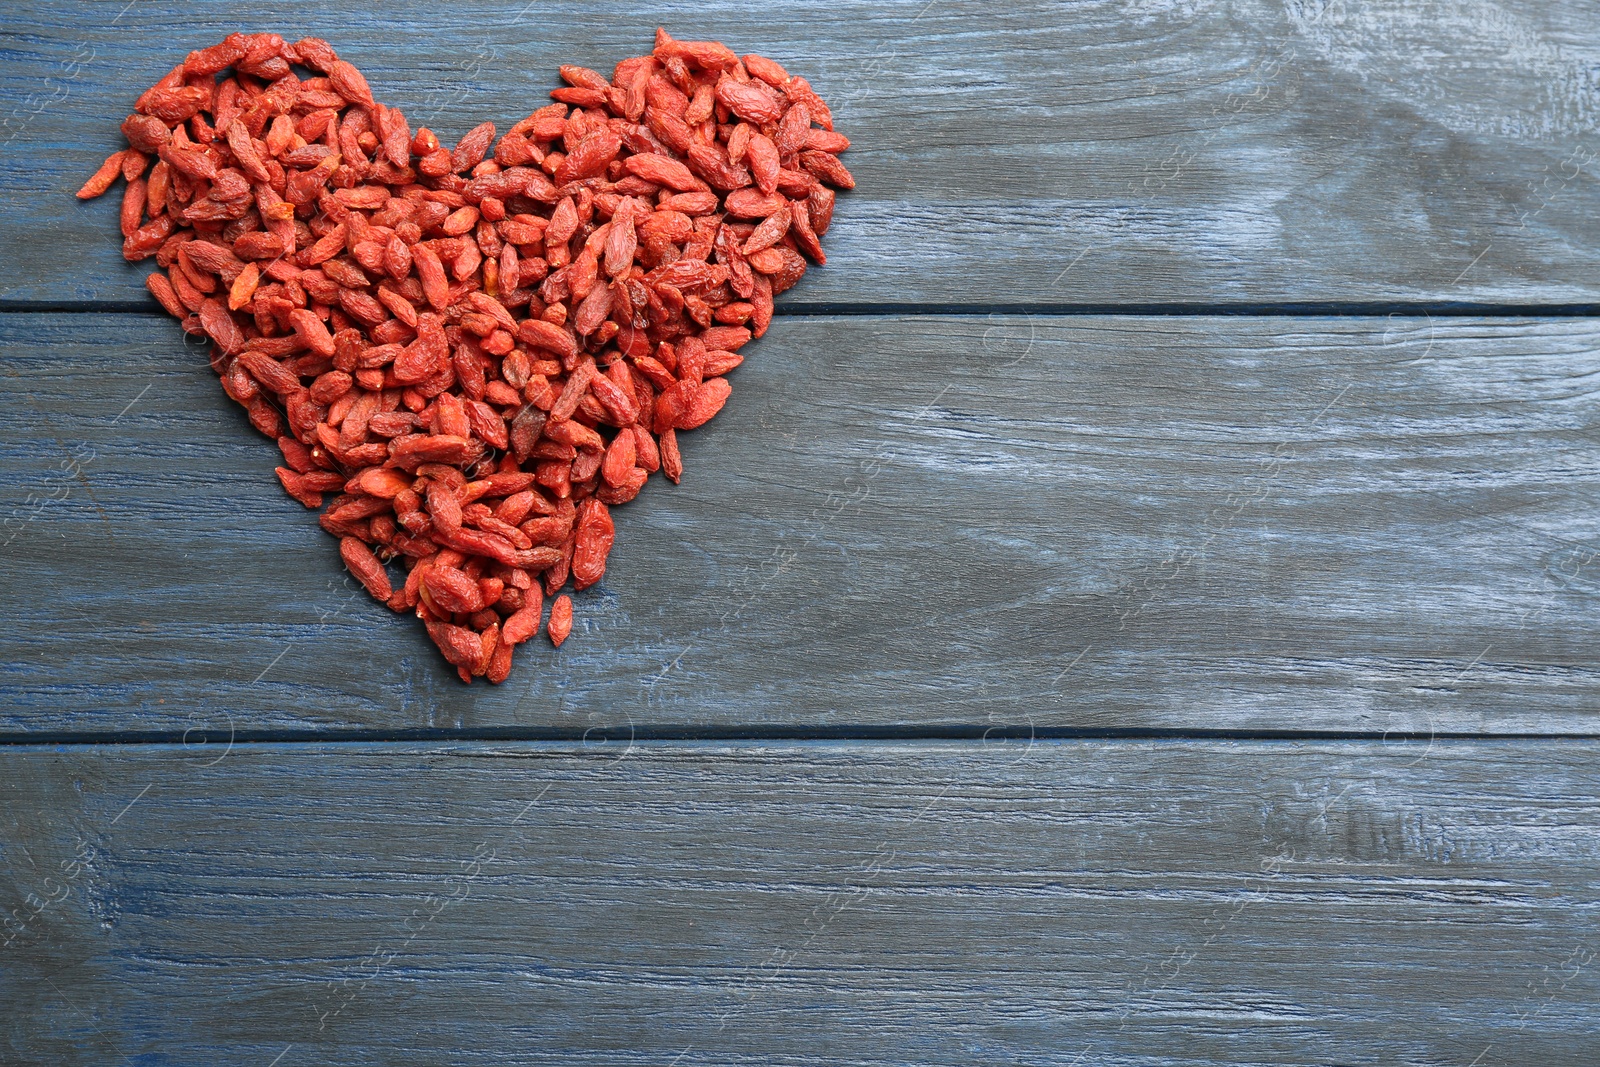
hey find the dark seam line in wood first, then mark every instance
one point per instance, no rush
(865, 734)
(1297, 309)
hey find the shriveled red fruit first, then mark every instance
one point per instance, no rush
(365, 566)
(594, 537)
(560, 624)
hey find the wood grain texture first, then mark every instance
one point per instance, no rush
(803, 904)
(1236, 523)
(1161, 150)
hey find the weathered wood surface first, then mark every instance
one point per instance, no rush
(834, 903)
(903, 522)
(1183, 523)
(1163, 151)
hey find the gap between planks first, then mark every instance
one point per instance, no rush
(1297, 309)
(194, 738)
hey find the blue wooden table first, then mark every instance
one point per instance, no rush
(1140, 607)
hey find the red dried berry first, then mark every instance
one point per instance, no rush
(560, 624)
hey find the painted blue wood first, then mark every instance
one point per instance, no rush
(1044, 152)
(839, 903)
(901, 521)
(959, 522)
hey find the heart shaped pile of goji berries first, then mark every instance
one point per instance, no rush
(478, 354)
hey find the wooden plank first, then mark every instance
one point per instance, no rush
(1169, 152)
(825, 903)
(1334, 524)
